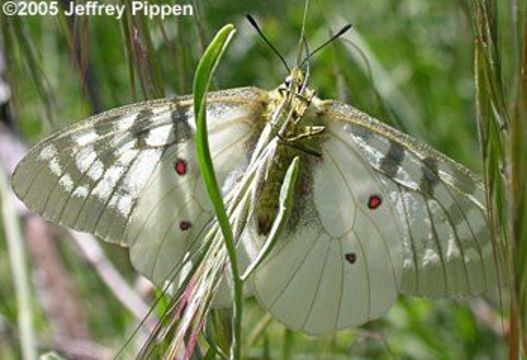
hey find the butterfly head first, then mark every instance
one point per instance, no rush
(296, 82)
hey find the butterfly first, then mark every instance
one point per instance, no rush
(375, 212)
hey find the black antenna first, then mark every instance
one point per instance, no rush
(331, 39)
(255, 25)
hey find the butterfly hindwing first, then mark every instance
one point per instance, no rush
(130, 175)
(338, 266)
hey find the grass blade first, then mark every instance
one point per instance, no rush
(18, 262)
(285, 206)
(202, 79)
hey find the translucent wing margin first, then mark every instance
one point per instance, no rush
(129, 175)
(440, 205)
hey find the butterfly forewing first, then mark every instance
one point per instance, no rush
(174, 186)
(130, 175)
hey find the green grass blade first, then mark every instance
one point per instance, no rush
(202, 79)
(18, 264)
(285, 206)
(501, 123)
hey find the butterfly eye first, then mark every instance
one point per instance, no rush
(181, 167)
(374, 202)
(287, 82)
(351, 257)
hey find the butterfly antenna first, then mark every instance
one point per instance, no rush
(329, 41)
(253, 22)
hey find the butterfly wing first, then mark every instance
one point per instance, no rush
(130, 175)
(379, 214)
(440, 204)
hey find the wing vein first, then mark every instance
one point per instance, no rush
(371, 222)
(437, 243)
(367, 268)
(410, 235)
(319, 281)
(293, 275)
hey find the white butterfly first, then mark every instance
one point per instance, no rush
(376, 213)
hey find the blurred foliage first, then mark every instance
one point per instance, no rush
(419, 76)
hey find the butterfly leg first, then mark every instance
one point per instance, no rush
(309, 132)
(302, 148)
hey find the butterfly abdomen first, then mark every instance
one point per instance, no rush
(302, 141)
(267, 199)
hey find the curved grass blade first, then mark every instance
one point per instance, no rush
(202, 80)
(284, 210)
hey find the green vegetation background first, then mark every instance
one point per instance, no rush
(419, 77)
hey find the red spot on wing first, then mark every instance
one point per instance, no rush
(374, 202)
(181, 167)
(351, 257)
(185, 225)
